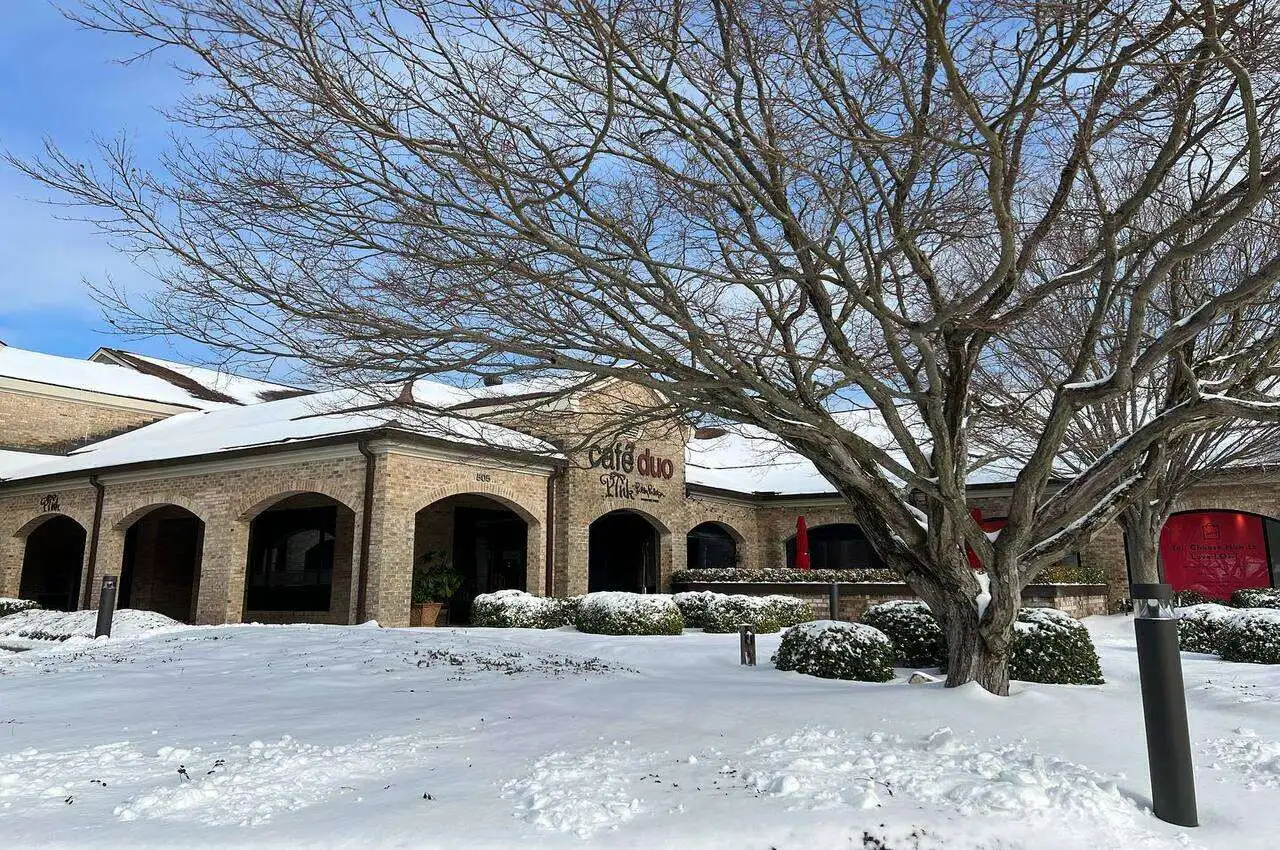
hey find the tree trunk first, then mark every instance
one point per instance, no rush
(976, 651)
(1142, 524)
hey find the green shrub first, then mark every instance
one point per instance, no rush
(726, 613)
(835, 650)
(614, 613)
(1256, 597)
(1187, 598)
(914, 631)
(515, 609)
(1252, 636)
(693, 605)
(790, 611)
(12, 606)
(786, 576)
(1052, 647)
(1199, 626)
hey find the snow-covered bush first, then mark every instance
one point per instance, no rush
(1256, 597)
(1052, 647)
(1200, 625)
(615, 613)
(1251, 636)
(9, 605)
(37, 624)
(727, 612)
(836, 650)
(785, 576)
(516, 609)
(693, 605)
(913, 630)
(789, 610)
(1187, 598)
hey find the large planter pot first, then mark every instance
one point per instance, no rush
(426, 614)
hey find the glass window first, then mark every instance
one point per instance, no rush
(711, 546)
(840, 546)
(291, 560)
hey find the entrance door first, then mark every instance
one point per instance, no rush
(622, 554)
(489, 551)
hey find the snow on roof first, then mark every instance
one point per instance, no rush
(11, 462)
(96, 377)
(288, 420)
(238, 388)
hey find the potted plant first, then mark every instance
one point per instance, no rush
(434, 581)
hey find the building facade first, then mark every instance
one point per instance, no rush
(220, 500)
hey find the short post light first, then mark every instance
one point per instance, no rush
(106, 606)
(1164, 705)
(833, 601)
(747, 645)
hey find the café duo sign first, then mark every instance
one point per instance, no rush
(628, 473)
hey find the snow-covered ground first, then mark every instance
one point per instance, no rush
(332, 736)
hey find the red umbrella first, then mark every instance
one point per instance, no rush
(802, 544)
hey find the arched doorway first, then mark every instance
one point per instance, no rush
(838, 546)
(51, 563)
(484, 539)
(300, 561)
(622, 553)
(1216, 552)
(711, 546)
(160, 570)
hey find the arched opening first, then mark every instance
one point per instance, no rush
(622, 553)
(51, 563)
(300, 561)
(1217, 552)
(485, 540)
(160, 570)
(711, 546)
(838, 546)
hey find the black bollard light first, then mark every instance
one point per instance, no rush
(747, 645)
(833, 601)
(1164, 705)
(106, 606)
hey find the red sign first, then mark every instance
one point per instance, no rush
(1214, 552)
(985, 525)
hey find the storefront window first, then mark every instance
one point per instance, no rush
(841, 546)
(1217, 552)
(711, 546)
(291, 560)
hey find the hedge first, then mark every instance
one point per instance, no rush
(616, 613)
(1256, 597)
(914, 631)
(830, 649)
(1252, 636)
(1052, 647)
(693, 605)
(785, 576)
(12, 606)
(516, 609)
(1199, 626)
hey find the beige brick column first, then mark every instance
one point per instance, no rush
(220, 596)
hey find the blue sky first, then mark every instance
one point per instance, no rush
(62, 82)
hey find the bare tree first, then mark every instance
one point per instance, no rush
(805, 216)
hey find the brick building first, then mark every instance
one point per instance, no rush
(219, 499)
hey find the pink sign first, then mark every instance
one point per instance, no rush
(1214, 552)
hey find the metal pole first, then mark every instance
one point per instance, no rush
(106, 606)
(833, 601)
(1164, 705)
(747, 645)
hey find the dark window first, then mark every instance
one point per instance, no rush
(841, 546)
(291, 560)
(711, 546)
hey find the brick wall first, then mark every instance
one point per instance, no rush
(57, 425)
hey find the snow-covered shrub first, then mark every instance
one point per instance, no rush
(1256, 597)
(693, 605)
(836, 650)
(727, 612)
(913, 630)
(1252, 636)
(9, 605)
(789, 610)
(516, 609)
(1187, 598)
(785, 576)
(1200, 625)
(37, 624)
(1052, 647)
(615, 613)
